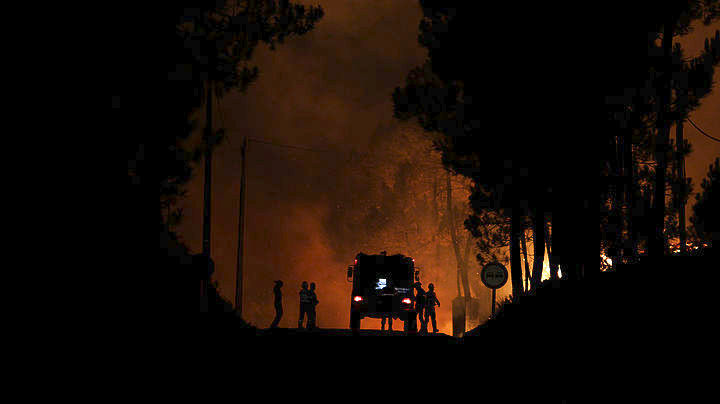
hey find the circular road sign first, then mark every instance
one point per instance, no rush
(494, 275)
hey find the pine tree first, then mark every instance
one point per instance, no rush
(558, 112)
(706, 216)
(222, 36)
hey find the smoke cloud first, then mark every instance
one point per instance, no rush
(366, 186)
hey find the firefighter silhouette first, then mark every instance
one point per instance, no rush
(278, 303)
(312, 313)
(305, 304)
(430, 301)
(420, 305)
(389, 321)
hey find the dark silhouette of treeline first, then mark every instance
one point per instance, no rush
(548, 116)
(167, 61)
(706, 216)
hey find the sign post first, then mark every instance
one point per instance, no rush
(494, 275)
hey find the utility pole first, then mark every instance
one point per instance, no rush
(208, 172)
(241, 230)
(206, 192)
(681, 195)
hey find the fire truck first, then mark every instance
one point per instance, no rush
(382, 286)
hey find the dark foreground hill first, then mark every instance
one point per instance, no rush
(668, 301)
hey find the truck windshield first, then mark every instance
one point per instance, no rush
(386, 273)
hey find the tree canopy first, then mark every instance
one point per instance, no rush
(532, 113)
(706, 215)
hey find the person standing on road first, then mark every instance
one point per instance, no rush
(430, 301)
(312, 315)
(420, 305)
(305, 304)
(278, 303)
(389, 320)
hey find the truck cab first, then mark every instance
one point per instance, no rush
(382, 286)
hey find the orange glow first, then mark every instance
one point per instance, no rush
(675, 246)
(295, 220)
(606, 260)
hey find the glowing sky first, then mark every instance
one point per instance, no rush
(329, 89)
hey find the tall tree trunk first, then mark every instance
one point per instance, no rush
(515, 268)
(626, 209)
(523, 244)
(591, 232)
(553, 264)
(632, 200)
(465, 267)
(657, 239)
(453, 233)
(592, 247)
(618, 201)
(539, 247)
(460, 258)
(567, 240)
(681, 194)
(457, 281)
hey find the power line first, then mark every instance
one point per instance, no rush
(221, 117)
(703, 132)
(289, 146)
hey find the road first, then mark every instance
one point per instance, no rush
(326, 332)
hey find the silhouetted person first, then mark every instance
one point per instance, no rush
(305, 304)
(430, 301)
(420, 305)
(389, 321)
(278, 303)
(312, 314)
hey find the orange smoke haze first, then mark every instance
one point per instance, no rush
(309, 213)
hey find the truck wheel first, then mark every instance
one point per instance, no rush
(355, 322)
